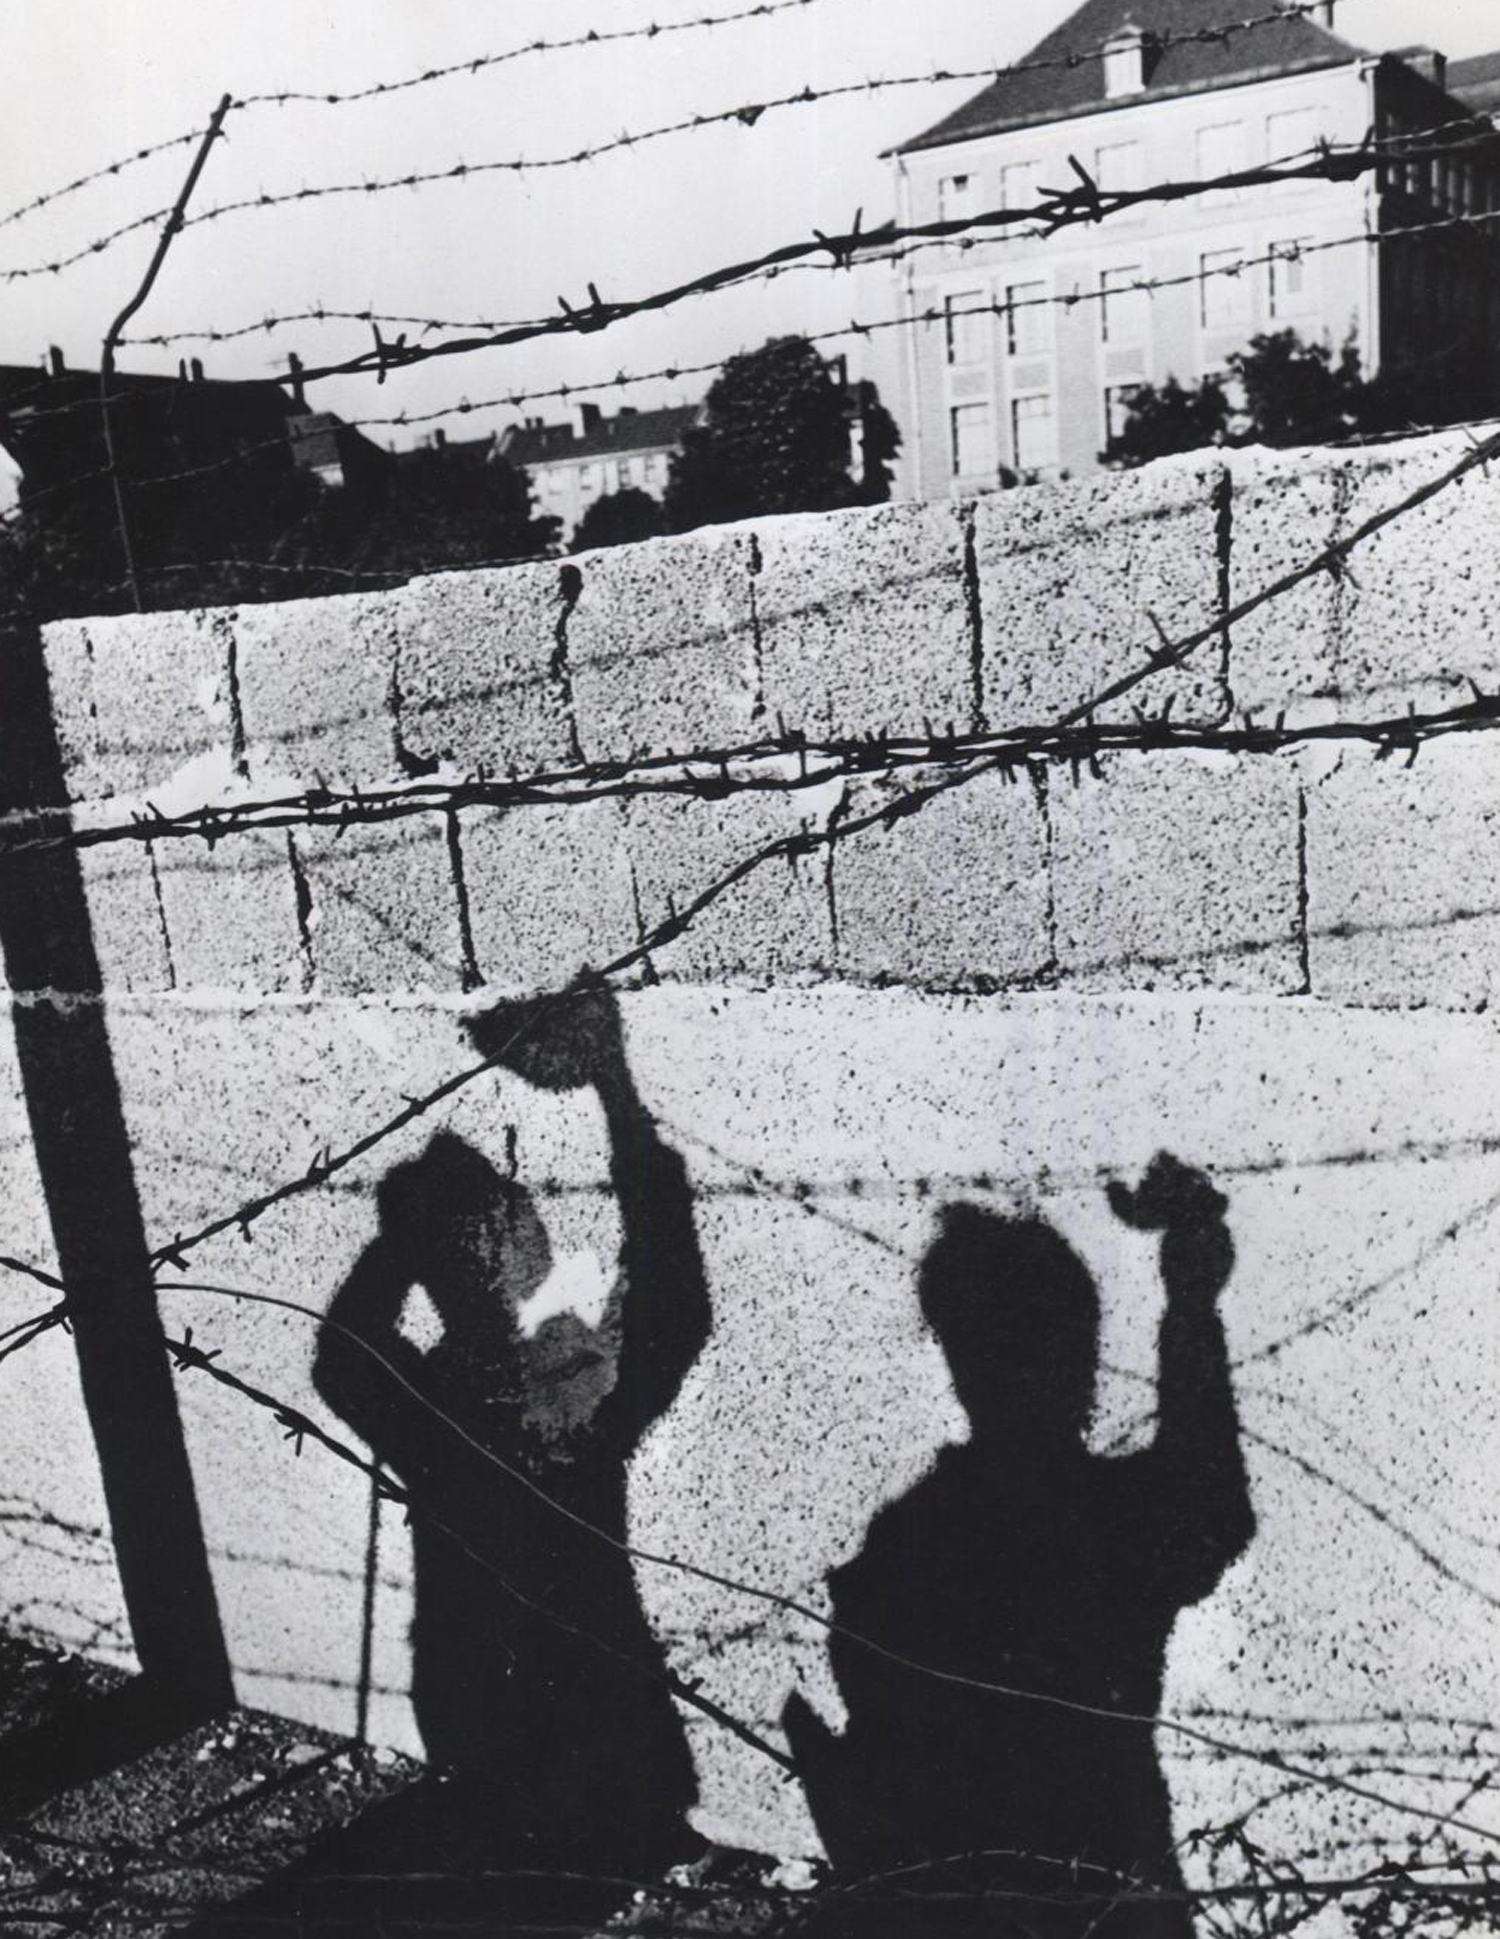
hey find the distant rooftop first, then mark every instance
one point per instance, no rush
(599, 436)
(1289, 45)
(1476, 82)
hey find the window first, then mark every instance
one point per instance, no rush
(1224, 288)
(1221, 151)
(957, 197)
(1123, 313)
(1028, 322)
(1117, 409)
(1119, 166)
(966, 327)
(1291, 277)
(1291, 134)
(973, 441)
(1031, 431)
(1020, 185)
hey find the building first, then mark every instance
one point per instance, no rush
(1030, 346)
(52, 432)
(571, 465)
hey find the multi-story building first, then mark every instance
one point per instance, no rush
(1024, 347)
(571, 465)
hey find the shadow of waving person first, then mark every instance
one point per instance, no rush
(1023, 1560)
(554, 1745)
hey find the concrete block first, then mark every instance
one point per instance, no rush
(383, 907)
(1402, 866)
(474, 669)
(1178, 872)
(1286, 507)
(138, 696)
(954, 896)
(1071, 576)
(864, 620)
(1422, 608)
(231, 914)
(549, 891)
(130, 937)
(772, 925)
(315, 685)
(661, 644)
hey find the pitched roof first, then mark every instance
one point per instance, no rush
(1476, 82)
(661, 430)
(1037, 94)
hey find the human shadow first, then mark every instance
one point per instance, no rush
(1019, 1790)
(557, 1760)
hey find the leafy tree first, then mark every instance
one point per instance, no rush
(619, 518)
(1170, 417)
(1289, 391)
(226, 537)
(775, 437)
(1296, 392)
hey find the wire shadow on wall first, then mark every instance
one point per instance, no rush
(1022, 1559)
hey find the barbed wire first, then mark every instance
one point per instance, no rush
(1331, 559)
(594, 37)
(718, 774)
(1098, 202)
(932, 315)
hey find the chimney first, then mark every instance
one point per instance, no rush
(587, 418)
(1427, 62)
(195, 369)
(1125, 62)
(294, 370)
(439, 438)
(1322, 13)
(55, 362)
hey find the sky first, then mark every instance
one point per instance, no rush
(92, 80)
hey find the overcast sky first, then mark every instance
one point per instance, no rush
(94, 79)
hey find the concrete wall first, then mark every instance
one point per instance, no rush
(1280, 968)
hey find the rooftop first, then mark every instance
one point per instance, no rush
(660, 430)
(1213, 57)
(1476, 82)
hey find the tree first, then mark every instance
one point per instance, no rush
(1288, 391)
(1296, 392)
(1170, 417)
(775, 437)
(239, 536)
(619, 518)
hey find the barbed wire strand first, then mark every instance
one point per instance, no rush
(717, 774)
(594, 37)
(1100, 201)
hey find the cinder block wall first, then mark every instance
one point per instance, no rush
(1280, 968)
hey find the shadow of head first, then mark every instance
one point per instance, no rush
(471, 1237)
(1017, 1316)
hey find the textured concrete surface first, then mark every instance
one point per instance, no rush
(841, 602)
(823, 1129)
(956, 896)
(1074, 579)
(660, 644)
(1403, 867)
(1178, 871)
(1279, 970)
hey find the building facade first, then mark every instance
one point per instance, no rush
(1023, 349)
(571, 465)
